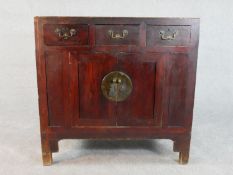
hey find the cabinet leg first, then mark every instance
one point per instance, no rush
(48, 147)
(183, 157)
(182, 145)
(47, 158)
(46, 152)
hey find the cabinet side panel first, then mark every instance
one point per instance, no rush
(41, 75)
(177, 83)
(55, 86)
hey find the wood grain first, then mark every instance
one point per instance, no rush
(70, 72)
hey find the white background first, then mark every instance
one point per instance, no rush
(212, 136)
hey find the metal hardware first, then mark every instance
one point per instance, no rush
(65, 32)
(169, 35)
(116, 86)
(118, 35)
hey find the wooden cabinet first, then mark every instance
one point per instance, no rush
(116, 78)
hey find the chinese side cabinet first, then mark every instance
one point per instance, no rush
(116, 78)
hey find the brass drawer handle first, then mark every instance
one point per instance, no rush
(118, 35)
(65, 33)
(116, 86)
(168, 35)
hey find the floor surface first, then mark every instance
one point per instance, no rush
(20, 153)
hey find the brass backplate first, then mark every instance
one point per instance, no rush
(116, 86)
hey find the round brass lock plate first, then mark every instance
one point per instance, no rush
(116, 86)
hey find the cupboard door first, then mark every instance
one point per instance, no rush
(143, 106)
(90, 107)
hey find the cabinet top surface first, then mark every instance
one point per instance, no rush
(116, 17)
(121, 19)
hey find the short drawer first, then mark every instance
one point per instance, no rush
(66, 34)
(117, 34)
(168, 35)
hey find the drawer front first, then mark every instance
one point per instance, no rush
(65, 34)
(168, 35)
(117, 34)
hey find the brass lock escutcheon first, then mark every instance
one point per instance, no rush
(116, 86)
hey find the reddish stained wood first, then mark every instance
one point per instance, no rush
(69, 74)
(52, 38)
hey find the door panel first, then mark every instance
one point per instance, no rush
(177, 78)
(90, 107)
(141, 107)
(57, 87)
